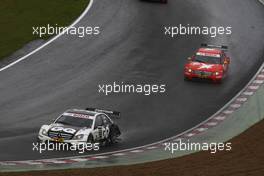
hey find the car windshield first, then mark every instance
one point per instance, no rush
(207, 59)
(75, 121)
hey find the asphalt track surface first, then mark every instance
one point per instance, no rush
(131, 48)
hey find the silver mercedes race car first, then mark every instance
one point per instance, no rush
(77, 126)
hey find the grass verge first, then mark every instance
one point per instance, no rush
(17, 17)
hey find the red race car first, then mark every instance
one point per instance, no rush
(209, 62)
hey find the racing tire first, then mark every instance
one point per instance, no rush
(38, 140)
(90, 139)
(186, 78)
(112, 137)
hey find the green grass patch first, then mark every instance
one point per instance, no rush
(17, 17)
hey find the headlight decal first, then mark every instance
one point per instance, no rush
(78, 136)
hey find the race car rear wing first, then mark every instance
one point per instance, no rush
(222, 47)
(109, 112)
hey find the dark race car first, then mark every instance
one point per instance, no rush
(161, 1)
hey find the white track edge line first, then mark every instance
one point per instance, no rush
(261, 1)
(51, 40)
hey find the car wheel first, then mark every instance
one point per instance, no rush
(90, 139)
(113, 136)
(186, 78)
(39, 141)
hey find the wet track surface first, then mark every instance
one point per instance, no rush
(131, 48)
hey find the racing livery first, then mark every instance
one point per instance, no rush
(209, 62)
(77, 126)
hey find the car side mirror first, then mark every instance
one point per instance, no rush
(189, 59)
